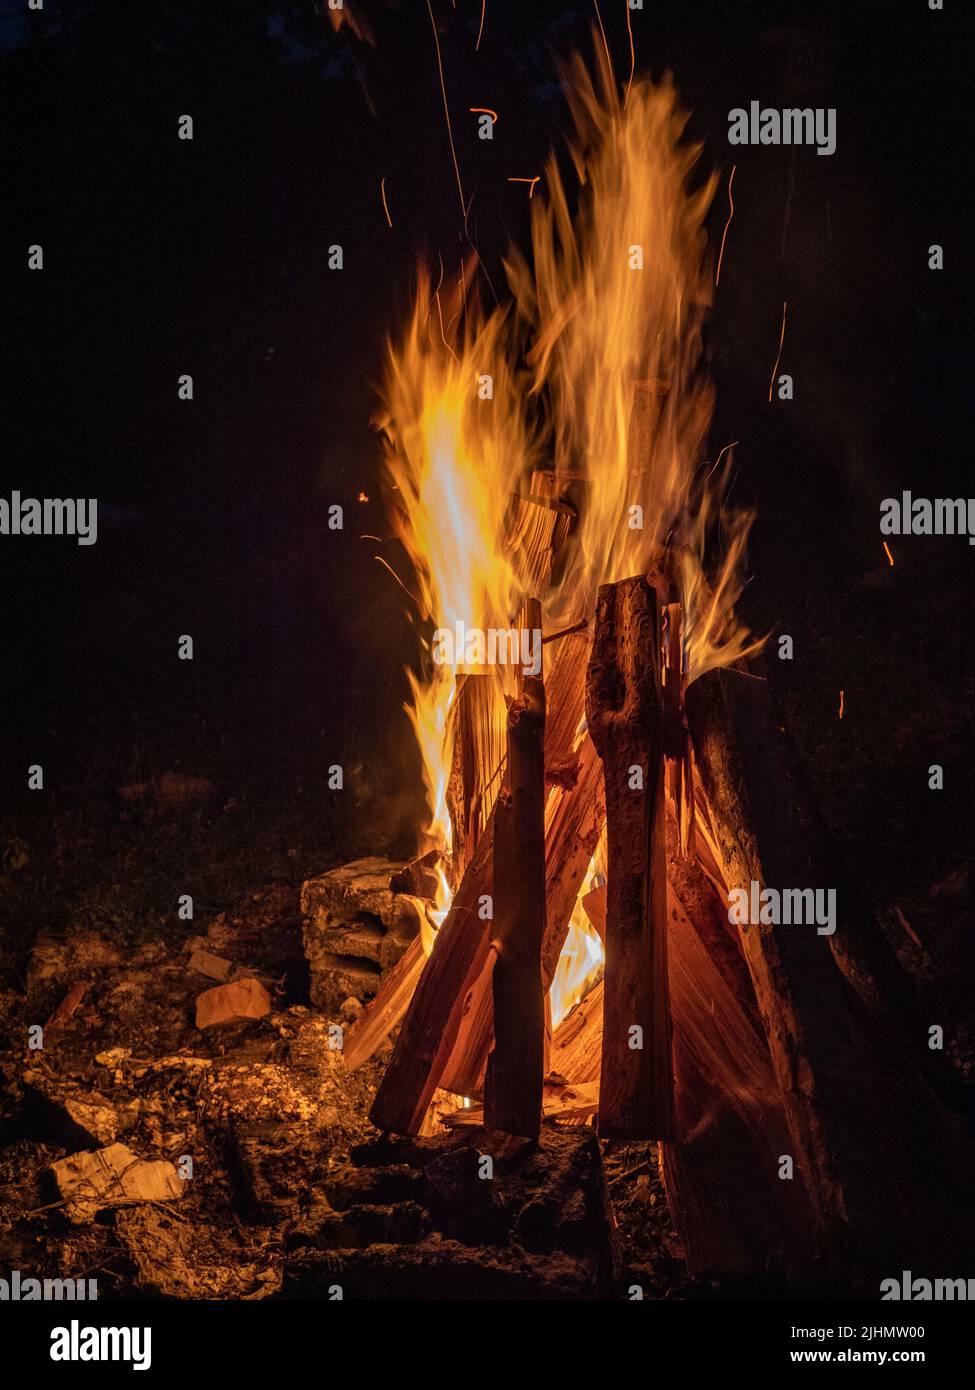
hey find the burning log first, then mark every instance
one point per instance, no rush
(513, 1087)
(387, 1008)
(623, 712)
(536, 528)
(646, 403)
(733, 1214)
(577, 1042)
(574, 819)
(435, 1010)
(560, 1101)
(478, 754)
(730, 1208)
(888, 1166)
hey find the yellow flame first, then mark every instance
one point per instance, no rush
(583, 953)
(456, 441)
(615, 295)
(435, 915)
(612, 301)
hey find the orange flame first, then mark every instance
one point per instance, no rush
(614, 293)
(455, 438)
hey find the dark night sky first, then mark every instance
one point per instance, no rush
(165, 257)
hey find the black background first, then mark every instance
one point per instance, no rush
(210, 257)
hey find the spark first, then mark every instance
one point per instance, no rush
(367, 537)
(481, 30)
(609, 61)
(486, 111)
(629, 30)
(446, 111)
(731, 213)
(399, 581)
(363, 497)
(382, 189)
(732, 445)
(841, 704)
(779, 357)
(889, 556)
(532, 182)
(464, 206)
(442, 334)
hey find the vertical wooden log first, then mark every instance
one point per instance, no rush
(574, 821)
(623, 713)
(478, 737)
(513, 1086)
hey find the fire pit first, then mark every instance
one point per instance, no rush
(604, 773)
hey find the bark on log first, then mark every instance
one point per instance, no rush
(888, 1165)
(623, 713)
(513, 1088)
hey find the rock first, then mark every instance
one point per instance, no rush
(113, 1056)
(114, 1176)
(232, 1003)
(75, 1119)
(214, 967)
(355, 928)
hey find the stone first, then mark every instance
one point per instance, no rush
(213, 966)
(232, 1003)
(355, 928)
(351, 1009)
(110, 1177)
(113, 1056)
(75, 1119)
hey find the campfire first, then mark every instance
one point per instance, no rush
(602, 770)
